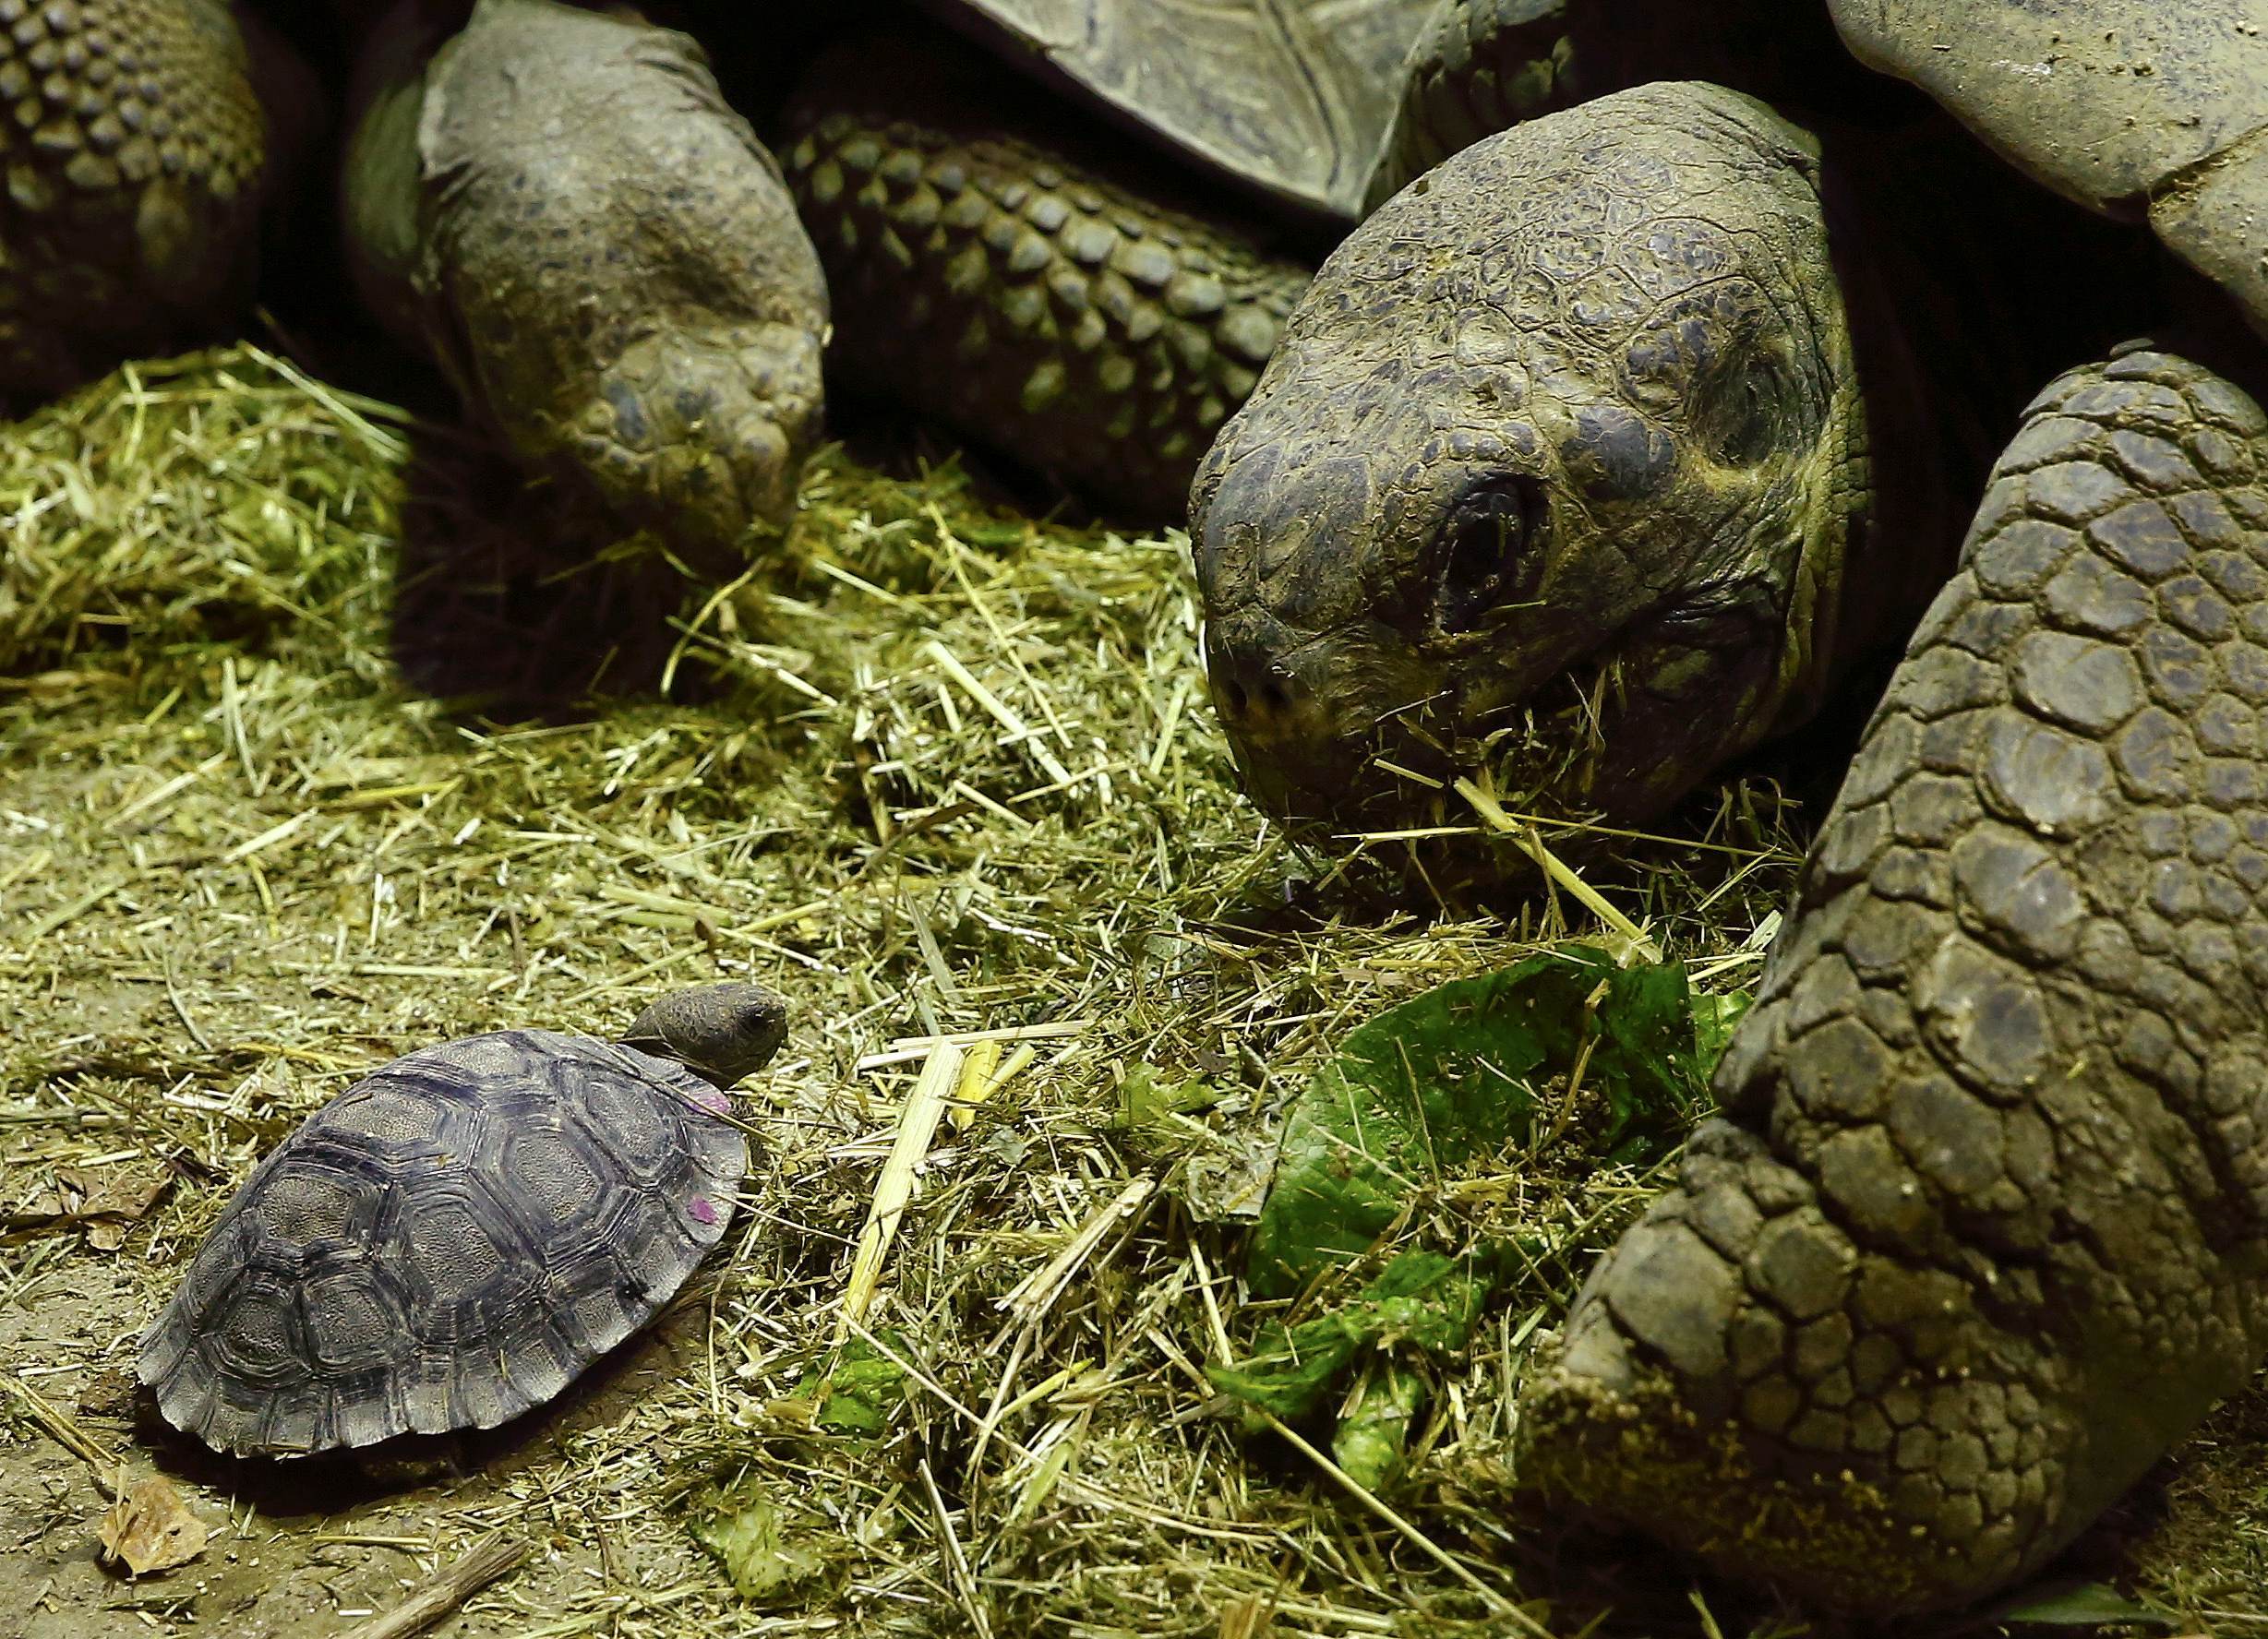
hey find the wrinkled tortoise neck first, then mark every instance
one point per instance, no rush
(722, 1033)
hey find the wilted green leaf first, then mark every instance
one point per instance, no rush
(1714, 1018)
(1373, 1428)
(742, 1527)
(2072, 1604)
(1442, 1082)
(1145, 1097)
(1449, 1079)
(1421, 1299)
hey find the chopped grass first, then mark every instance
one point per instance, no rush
(301, 767)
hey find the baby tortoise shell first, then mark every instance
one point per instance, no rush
(453, 1238)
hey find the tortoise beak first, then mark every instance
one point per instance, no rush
(1310, 716)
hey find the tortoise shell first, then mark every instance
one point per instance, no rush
(446, 1244)
(2132, 107)
(1289, 100)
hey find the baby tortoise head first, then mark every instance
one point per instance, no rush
(721, 1033)
(1550, 479)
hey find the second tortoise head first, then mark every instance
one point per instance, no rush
(1549, 477)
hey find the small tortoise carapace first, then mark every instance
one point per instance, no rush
(452, 1239)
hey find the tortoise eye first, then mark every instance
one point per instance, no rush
(1752, 412)
(1490, 551)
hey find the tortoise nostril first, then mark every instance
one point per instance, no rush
(1254, 690)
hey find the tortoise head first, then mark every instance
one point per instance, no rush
(1549, 479)
(721, 1033)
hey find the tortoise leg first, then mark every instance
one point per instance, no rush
(1039, 299)
(560, 206)
(134, 155)
(1980, 1232)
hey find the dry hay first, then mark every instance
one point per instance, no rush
(933, 768)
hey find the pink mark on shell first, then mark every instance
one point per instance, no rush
(714, 1101)
(703, 1210)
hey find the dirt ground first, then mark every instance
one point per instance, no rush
(288, 786)
(293, 1553)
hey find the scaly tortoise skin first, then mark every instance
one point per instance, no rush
(1001, 263)
(1480, 66)
(134, 149)
(448, 1243)
(1984, 1227)
(1035, 296)
(1580, 503)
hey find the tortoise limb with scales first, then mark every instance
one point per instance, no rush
(1982, 1228)
(136, 147)
(456, 1236)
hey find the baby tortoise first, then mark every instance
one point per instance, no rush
(452, 1239)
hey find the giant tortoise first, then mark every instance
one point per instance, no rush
(1639, 392)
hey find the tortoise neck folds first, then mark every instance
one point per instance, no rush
(1551, 476)
(721, 1033)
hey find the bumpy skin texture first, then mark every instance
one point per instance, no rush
(1553, 475)
(560, 206)
(719, 1032)
(2129, 106)
(133, 147)
(1985, 1226)
(1477, 66)
(1024, 298)
(446, 1244)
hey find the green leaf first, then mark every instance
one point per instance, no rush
(1373, 1429)
(1439, 1086)
(1421, 1301)
(2072, 1604)
(1448, 1079)
(1147, 1097)
(1713, 1019)
(739, 1525)
(858, 1395)
(1289, 1370)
